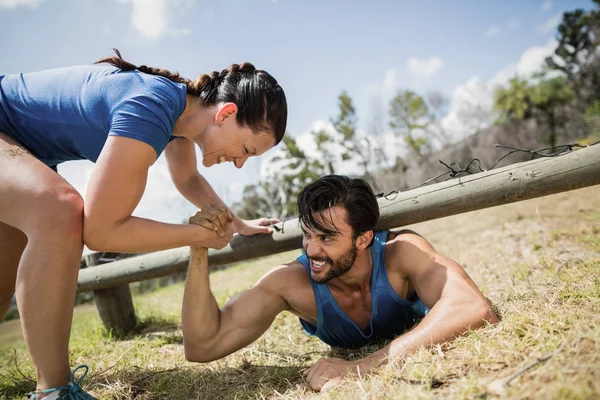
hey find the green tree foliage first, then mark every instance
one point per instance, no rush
(592, 117)
(514, 101)
(438, 104)
(521, 100)
(547, 98)
(326, 147)
(277, 195)
(345, 124)
(577, 52)
(574, 39)
(409, 117)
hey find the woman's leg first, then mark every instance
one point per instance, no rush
(12, 243)
(41, 204)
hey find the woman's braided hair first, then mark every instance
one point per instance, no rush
(260, 99)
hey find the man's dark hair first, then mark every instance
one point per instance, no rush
(354, 194)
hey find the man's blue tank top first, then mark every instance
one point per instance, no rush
(391, 315)
(66, 114)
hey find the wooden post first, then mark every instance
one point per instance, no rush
(114, 304)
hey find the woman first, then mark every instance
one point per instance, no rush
(121, 117)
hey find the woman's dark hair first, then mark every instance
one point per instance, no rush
(260, 100)
(354, 194)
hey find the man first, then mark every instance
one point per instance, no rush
(352, 287)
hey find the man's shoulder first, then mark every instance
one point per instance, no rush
(284, 278)
(399, 238)
(291, 282)
(402, 245)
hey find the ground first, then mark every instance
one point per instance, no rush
(538, 261)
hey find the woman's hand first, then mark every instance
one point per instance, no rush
(255, 226)
(217, 221)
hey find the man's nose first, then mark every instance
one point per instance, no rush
(312, 249)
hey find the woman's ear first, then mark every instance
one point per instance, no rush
(364, 239)
(225, 111)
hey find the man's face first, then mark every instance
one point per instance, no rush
(330, 255)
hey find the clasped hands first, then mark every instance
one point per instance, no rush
(223, 224)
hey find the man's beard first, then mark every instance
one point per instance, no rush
(339, 266)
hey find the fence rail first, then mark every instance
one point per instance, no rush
(509, 184)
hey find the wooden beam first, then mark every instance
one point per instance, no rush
(509, 184)
(114, 303)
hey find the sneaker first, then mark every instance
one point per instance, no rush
(70, 391)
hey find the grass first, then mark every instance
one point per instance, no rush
(538, 261)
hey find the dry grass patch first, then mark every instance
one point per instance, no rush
(538, 261)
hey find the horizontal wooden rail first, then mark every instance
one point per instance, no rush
(509, 184)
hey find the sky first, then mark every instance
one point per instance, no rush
(315, 49)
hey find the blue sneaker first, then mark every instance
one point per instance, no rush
(70, 391)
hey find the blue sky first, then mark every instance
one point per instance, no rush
(313, 48)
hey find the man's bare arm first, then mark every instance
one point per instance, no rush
(456, 303)
(456, 306)
(210, 333)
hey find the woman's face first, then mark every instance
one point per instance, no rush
(226, 141)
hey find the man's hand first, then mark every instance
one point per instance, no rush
(255, 226)
(328, 372)
(215, 218)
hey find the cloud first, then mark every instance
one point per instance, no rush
(424, 68)
(512, 24)
(550, 24)
(386, 87)
(415, 75)
(472, 102)
(530, 61)
(546, 6)
(470, 109)
(20, 3)
(387, 142)
(498, 29)
(179, 32)
(152, 18)
(493, 30)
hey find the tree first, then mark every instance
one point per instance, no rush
(253, 204)
(409, 115)
(293, 170)
(377, 117)
(326, 146)
(514, 102)
(592, 117)
(276, 194)
(576, 55)
(521, 100)
(345, 124)
(547, 97)
(438, 104)
(574, 40)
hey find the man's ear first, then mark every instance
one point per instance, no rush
(226, 110)
(364, 239)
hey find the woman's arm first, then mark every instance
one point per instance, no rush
(115, 189)
(181, 159)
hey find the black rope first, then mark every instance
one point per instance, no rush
(474, 165)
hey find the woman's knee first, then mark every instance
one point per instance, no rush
(62, 212)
